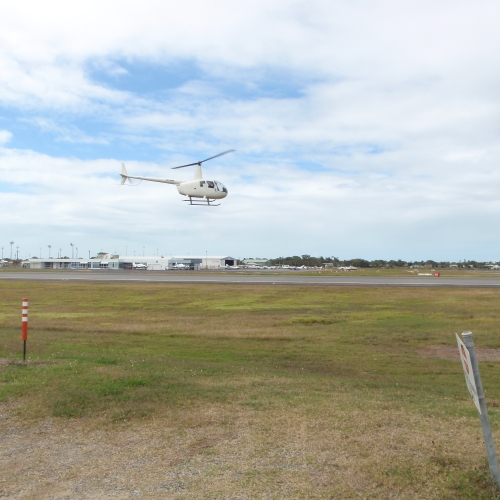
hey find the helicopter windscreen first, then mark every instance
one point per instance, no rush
(220, 186)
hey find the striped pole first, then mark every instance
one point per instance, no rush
(24, 326)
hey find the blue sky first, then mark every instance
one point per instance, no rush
(361, 130)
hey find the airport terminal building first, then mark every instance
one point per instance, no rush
(155, 263)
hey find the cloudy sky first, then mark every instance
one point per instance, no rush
(362, 129)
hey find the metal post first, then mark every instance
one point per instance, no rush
(483, 417)
(24, 326)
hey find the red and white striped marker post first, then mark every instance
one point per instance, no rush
(24, 326)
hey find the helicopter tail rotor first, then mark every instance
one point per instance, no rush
(126, 177)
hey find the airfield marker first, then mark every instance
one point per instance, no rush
(24, 326)
(475, 386)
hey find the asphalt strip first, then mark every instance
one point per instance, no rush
(460, 283)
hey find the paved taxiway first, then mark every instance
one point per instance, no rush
(246, 279)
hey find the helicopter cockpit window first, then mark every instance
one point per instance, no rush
(210, 184)
(221, 187)
(202, 183)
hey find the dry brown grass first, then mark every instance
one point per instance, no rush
(351, 450)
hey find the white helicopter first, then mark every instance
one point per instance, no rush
(204, 192)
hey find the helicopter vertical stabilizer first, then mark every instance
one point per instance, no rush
(124, 174)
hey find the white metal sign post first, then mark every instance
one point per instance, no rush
(469, 375)
(475, 386)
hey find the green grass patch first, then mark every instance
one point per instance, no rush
(346, 359)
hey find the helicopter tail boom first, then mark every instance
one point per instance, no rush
(125, 176)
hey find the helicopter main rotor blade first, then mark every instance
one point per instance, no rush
(220, 154)
(203, 161)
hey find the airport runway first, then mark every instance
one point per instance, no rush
(230, 278)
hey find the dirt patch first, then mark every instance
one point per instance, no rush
(19, 362)
(450, 353)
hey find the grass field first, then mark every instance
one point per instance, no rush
(187, 391)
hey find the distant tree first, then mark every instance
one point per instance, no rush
(310, 261)
(358, 263)
(397, 263)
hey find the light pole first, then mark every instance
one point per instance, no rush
(76, 252)
(11, 243)
(40, 252)
(72, 254)
(17, 252)
(50, 246)
(2, 253)
(206, 259)
(126, 250)
(143, 251)
(60, 253)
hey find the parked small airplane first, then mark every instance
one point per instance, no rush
(197, 189)
(139, 266)
(180, 266)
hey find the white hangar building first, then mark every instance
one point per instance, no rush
(155, 263)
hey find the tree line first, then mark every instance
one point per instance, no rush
(309, 261)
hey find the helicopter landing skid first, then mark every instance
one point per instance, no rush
(200, 203)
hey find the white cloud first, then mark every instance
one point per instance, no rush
(5, 136)
(64, 133)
